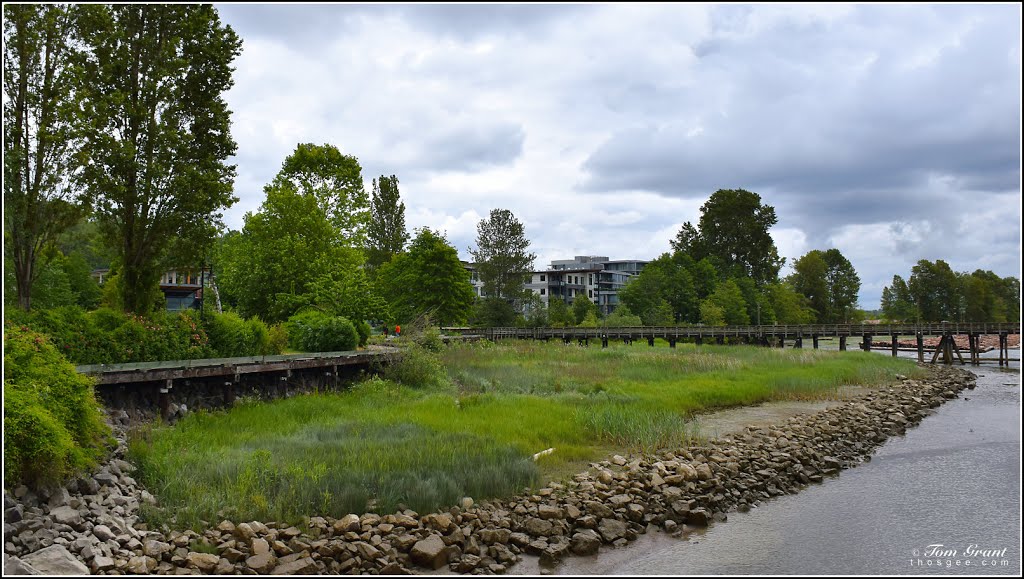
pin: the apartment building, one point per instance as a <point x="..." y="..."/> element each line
<point x="596" y="277"/>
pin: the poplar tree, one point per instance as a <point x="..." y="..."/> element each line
<point x="386" y="233"/>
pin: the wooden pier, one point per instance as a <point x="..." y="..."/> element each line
<point x="776" y="335"/>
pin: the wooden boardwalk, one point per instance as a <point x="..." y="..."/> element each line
<point x="775" y="335"/>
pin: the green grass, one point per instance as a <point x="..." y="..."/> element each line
<point x="471" y="433"/>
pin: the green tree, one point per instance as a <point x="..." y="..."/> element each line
<point x="897" y="301"/>
<point x="290" y="243"/>
<point x="501" y="255"/>
<point x="671" y="278"/>
<point x="581" y="307"/>
<point x="493" y="312"/>
<point x="788" y="305"/>
<point x="40" y="136"/>
<point x="729" y="298"/>
<point x="711" y="314"/>
<point x="622" y="318"/>
<point x="336" y="182"/>
<point x="936" y="291"/>
<point x="733" y="234"/>
<point x="428" y="279"/>
<point x="559" y="315"/>
<point x="157" y="133"/>
<point x="831" y="283"/>
<point x="386" y="233"/>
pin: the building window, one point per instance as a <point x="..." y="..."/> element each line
<point x="541" y="290"/>
<point x="590" y="279"/>
<point x="590" y="294"/>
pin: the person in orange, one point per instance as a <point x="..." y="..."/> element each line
<point x="398" y="330"/>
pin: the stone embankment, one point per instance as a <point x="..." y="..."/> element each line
<point x="92" y="524"/>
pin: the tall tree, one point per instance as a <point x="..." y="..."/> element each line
<point x="336" y="181"/>
<point x="733" y="233"/>
<point x="427" y="279"/>
<point x="831" y="283"/>
<point x="290" y="243"/>
<point x="501" y="255"/>
<point x="386" y="233"/>
<point x="40" y="140"/>
<point x="897" y="301"/>
<point x="157" y="133"/>
<point x="936" y="291"/>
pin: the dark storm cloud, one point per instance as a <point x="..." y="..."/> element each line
<point x="839" y="124"/>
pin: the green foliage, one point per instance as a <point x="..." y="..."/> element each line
<point x="270" y="267"/>
<point x="428" y="279"/>
<point x="829" y="281"/>
<point x="897" y="301"/>
<point x="417" y="367"/>
<point x="711" y="314"/>
<point x="501" y="255"/>
<point x="53" y="425"/>
<point x="622" y="318"/>
<point x="729" y="298"/>
<point x="232" y="336"/>
<point x="493" y="312"/>
<point x="386" y="232"/>
<point x="155" y="141"/>
<point x="559" y="315"/>
<point x="675" y="280"/>
<point x="348" y="292"/>
<point x="363" y="330"/>
<point x="41" y="141"/>
<point x="65" y="281"/>
<point x="788" y="306"/>
<point x="934" y="288"/>
<point x="335" y="181"/>
<point x="582" y="308"/>
<point x="277" y="339"/>
<point x="314" y="331"/>
<point x="733" y="234"/>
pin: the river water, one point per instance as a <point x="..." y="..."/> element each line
<point x="943" y="499"/>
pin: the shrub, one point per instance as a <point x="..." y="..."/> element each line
<point x="416" y="367"/>
<point x="53" y="425"/>
<point x="231" y="335"/>
<point x="363" y="329"/>
<point x="277" y="339"/>
<point x="313" y="331"/>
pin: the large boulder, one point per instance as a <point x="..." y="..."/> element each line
<point x="611" y="529"/>
<point x="15" y="566"/>
<point x="430" y="553"/>
<point x="55" y="560"/>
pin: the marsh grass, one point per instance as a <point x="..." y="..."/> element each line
<point x="423" y="445"/>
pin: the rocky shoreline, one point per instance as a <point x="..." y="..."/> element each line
<point x="92" y="524"/>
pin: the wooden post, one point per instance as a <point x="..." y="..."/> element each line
<point x="842" y="343"/>
<point x="920" y="347"/>
<point x="699" y="341"/>
<point x="956" y="349"/>
<point x="799" y="342"/>
<point x="895" y="344"/>
<point x="671" y="342"/>
<point x="972" y="340"/>
<point x="939" y="349"/>
<point x="650" y="341"/>
<point x="866" y="343"/>
<point x="165" y="400"/>
<point x="720" y="340"/>
<point x="815" y="338"/>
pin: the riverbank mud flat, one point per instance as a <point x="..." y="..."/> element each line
<point x="92" y="524"/>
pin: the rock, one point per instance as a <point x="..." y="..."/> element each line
<point x="301" y="566"/>
<point x="261" y="563"/>
<point x="492" y="536"/>
<point x="141" y="565"/>
<point x="585" y="542"/>
<point x="226" y="526"/>
<point x="14" y="514"/>
<point x="155" y="549"/>
<point x="549" y="512"/>
<point x="245" y="531"/>
<point x="598" y="509"/>
<point x="105" y="478"/>
<point x="66" y="516"/>
<point x="367" y="551"/>
<point x="699" y="517"/>
<point x="103" y="533"/>
<point x="467" y="503"/>
<point x="347" y="523"/>
<point x="102" y="563"/>
<point x="260" y="547"/>
<point x="611" y="529"/>
<point x="394" y="569"/>
<point x="687" y="472"/>
<point x="440" y="522"/>
<point x="430" y="553"/>
<point x="537" y="527"/>
<point x="202" y="561"/>
<point x="403" y="542"/>
<point x="55" y="560"/>
<point x="605" y="477"/>
<point x="618" y="460"/>
<point x="15" y="566"/>
<point x="468" y="563"/>
<point x="704" y="472"/>
<point x="59" y="498"/>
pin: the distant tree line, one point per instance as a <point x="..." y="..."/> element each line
<point x="935" y="293"/>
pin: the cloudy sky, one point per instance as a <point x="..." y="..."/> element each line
<point x="891" y="132"/>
